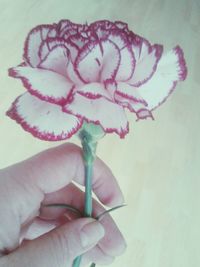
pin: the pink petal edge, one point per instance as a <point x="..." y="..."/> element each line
<point x="158" y="55"/>
<point x="134" y="106"/>
<point x="87" y="50"/>
<point x="121" y="132"/>
<point x="56" y="60"/>
<point x="93" y="91"/>
<point x="27" y="54"/>
<point x="182" y="73"/>
<point x="14" y="115"/>
<point x="129" y="92"/>
<point x="51" y="99"/>
<point x="66" y="28"/>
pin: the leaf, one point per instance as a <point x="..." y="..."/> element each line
<point x="79" y="213"/>
<point x="69" y="207"/>
<point x="98" y="217"/>
<point x="93" y="265"/>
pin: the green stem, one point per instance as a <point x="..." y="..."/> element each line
<point x="77" y="261"/>
<point x="89" y="152"/>
<point x="88" y="190"/>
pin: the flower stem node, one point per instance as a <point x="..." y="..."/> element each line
<point x="89" y="135"/>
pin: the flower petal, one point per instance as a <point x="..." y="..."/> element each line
<point x="65" y="23"/>
<point x="72" y="74"/>
<point x="72" y="52"/>
<point x="87" y="63"/>
<point x="102" y="25"/>
<point x="78" y="40"/>
<point x="98" y="61"/>
<point x="109" y="115"/>
<point x="51" y="43"/>
<point x="118" y="37"/>
<point x="132" y="105"/>
<point x="171" y="69"/>
<point x="43" y="50"/>
<point x="67" y="28"/>
<point x="144" y="113"/>
<point x="110" y="61"/>
<point x="56" y="60"/>
<point x="93" y="90"/>
<point x="141" y="110"/>
<point x="121" y="25"/>
<point x="127" y="65"/>
<point x="111" y="87"/>
<point x="45" y="84"/>
<point x="147" y="58"/>
<point x="130" y="92"/>
<point x="43" y="120"/>
<point x="33" y="42"/>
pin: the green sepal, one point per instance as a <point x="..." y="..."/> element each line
<point x="95" y="132"/>
<point x="90" y="134"/>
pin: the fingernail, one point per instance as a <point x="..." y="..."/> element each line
<point x="91" y="233"/>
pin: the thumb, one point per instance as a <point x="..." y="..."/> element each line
<point x="59" y="247"/>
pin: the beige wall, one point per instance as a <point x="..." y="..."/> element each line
<point x="158" y="164"/>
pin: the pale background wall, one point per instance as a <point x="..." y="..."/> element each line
<point x="158" y="163"/>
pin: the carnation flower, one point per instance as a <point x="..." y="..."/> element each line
<point x="79" y="72"/>
<point x="82" y="78"/>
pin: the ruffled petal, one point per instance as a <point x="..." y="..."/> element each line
<point x="118" y="37"/>
<point x="87" y="63"/>
<point x="43" y="120"/>
<point x="45" y="84"/>
<point x="47" y="45"/>
<point x="140" y="109"/>
<point x="93" y="90"/>
<point x="144" y="113"/>
<point x="51" y="43"/>
<point x="43" y="50"/>
<point x="110" y="61"/>
<point x="67" y="28"/>
<point x="102" y="25"/>
<point x="72" y="52"/>
<point x="127" y="60"/>
<point x="33" y="42"/>
<point x="171" y="69"/>
<point x="56" y="60"/>
<point x="128" y="103"/>
<point x="78" y="40"/>
<point x="130" y="92"/>
<point x="147" y="58"/>
<point x="98" y="61"/>
<point x="72" y="75"/>
<point x="127" y="65"/>
<point x="121" y="25"/>
<point x="111" y="87"/>
<point x="109" y="115"/>
<point x="66" y="24"/>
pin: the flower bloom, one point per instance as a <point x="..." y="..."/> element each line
<point x="75" y="73"/>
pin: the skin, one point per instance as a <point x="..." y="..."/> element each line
<point x="34" y="235"/>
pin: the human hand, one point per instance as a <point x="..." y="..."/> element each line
<point x="37" y="236"/>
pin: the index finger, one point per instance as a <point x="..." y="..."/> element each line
<point x="53" y="169"/>
<point x="57" y="167"/>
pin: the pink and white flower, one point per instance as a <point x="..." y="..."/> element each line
<point x="75" y="73"/>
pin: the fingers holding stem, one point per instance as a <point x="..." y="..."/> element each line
<point x="89" y="153"/>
